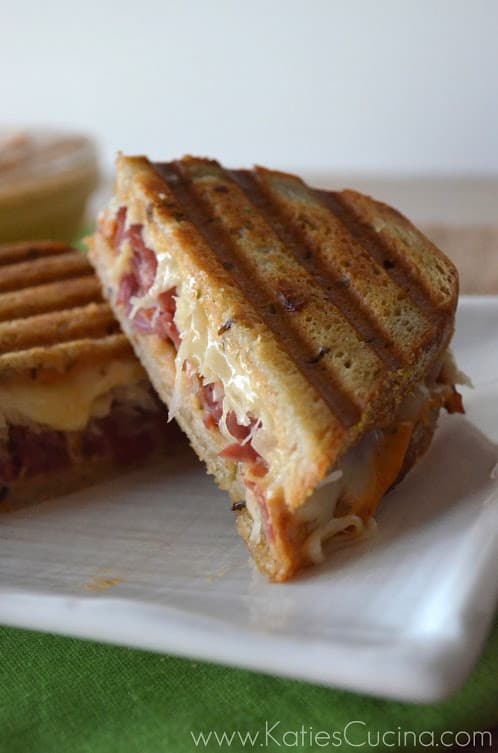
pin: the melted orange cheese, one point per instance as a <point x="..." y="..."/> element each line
<point x="385" y="462"/>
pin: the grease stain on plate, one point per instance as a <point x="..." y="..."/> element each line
<point x="101" y="583"/>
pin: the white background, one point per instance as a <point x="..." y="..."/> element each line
<point x="391" y="86"/>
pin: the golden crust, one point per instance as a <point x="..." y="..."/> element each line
<point x="412" y="249"/>
<point x="52" y="296"/>
<point x="56" y="361"/>
<point x="44" y="331"/>
<point x="44" y="334"/>
<point x="92" y="320"/>
<point x="59" y="267"/>
<point x="11" y="253"/>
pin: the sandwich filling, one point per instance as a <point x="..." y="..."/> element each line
<point x="159" y="300"/>
<point x="46" y="428"/>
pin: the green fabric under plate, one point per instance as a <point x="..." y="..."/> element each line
<point x="61" y="695"/>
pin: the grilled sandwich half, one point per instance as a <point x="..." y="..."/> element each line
<point x="74" y="400"/>
<point x="299" y="337"/>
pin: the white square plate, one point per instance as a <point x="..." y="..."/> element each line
<point x="153" y="560"/>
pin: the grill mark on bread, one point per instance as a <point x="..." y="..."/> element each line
<point x="348" y="362"/>
<point x="334" y="284"/>
<point x="18" y="252"/>
<point x="369" y="285"/>
<point x="51" y="330"/>
<point x="275" y="314"/>
<point x="27" y="273"/>
<point x="434" y="272"/>
<point x="379" y="251"/>
<point x="94" y="320"/>
<point x="60" y="358"/>
<point x="52" y="296"/>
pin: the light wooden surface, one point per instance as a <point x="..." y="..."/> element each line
<point x="474" y="249"/>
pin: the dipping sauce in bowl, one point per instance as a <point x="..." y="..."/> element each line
<point x="46" y="178"/>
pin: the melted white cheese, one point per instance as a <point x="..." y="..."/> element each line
<point x="203" y="350"/>
<point x="67" y="404"/>
<point x="351" y="476"/>
<point x="453" y="374"/>
<point x="313" y="546"/>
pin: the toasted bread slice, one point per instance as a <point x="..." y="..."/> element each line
<point x="74" y="401"/>
<point x="284" y="327"/>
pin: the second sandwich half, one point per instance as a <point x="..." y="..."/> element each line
<point x="75" y="404"/>
<point x="299" y="337"/>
